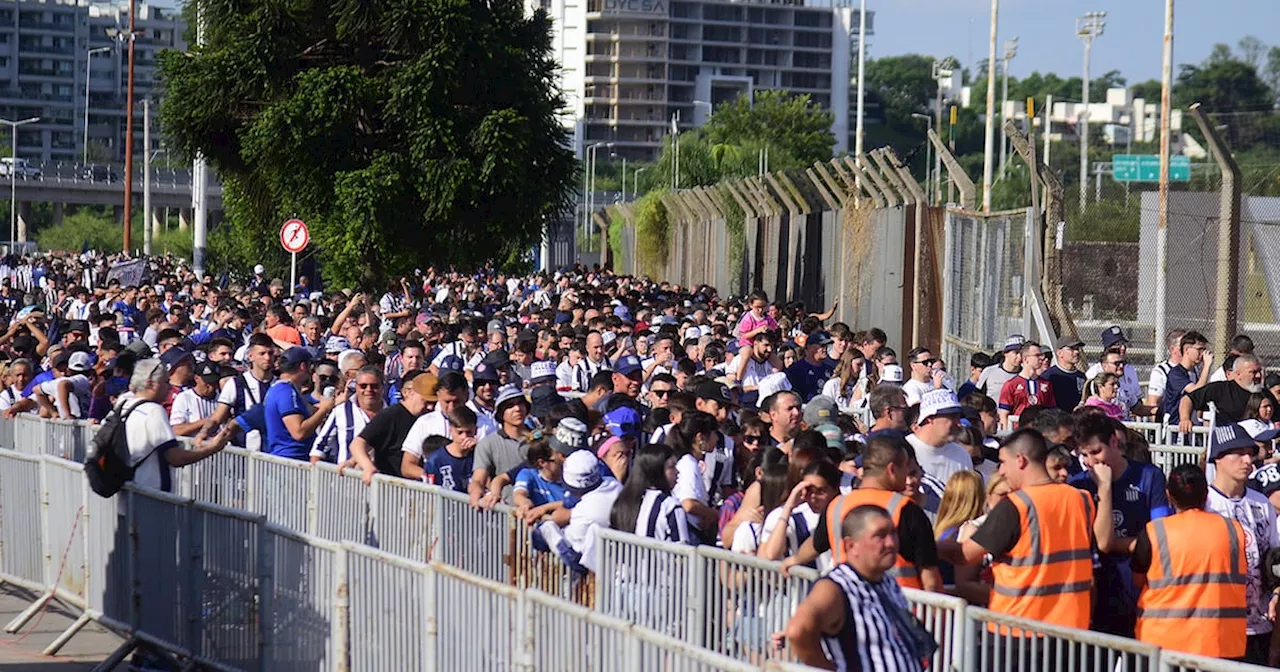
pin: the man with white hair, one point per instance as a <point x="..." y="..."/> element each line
<point x="154" y="451"/>
<point x="1231" y="396"/>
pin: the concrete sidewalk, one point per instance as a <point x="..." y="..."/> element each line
<point x="90" y="646"/>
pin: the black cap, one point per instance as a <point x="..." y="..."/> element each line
<point x="717" y="392"/>
<point x="497" y="359"/>
<point x="209" y="371"/>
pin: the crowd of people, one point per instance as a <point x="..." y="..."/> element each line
<point x="589" y="400"/>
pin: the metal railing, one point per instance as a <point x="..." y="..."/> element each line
<point x="706" y="599"/>
<point x="229" y="590"/>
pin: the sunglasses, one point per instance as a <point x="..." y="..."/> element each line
<point x="369" y="386"/>
<point x="928" y="362"/>
<point x="751" y="438"/>
<point x="661" y="393"/>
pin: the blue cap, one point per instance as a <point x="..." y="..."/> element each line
<point x="483" y="373"/>
<point x="628" y="365"/>
<point x="1229" y="439"/>
<point x="173" y="357"/>
<point x="623" y="421"/>
<point x="296" y="356"/>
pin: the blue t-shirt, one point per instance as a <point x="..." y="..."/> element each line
<point x="447" y="471"/>
<point x="41" y="378"/>
<point x="1068" y="388"/>
<point x="539" y="489"/>
<point x="1137" y="498"/>
<point x="1179" y="379"/>
<point x="807" y="379"/>
<point x="283" y="400"/>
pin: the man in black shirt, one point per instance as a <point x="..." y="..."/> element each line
<point x="385" y="433"/>
<point x="1231" y="396"/>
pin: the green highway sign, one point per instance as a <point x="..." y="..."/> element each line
<point x="1146" y="168"/>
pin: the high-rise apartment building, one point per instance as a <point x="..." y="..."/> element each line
<point x="629" y="67"/>
<point x="44" y="63"/>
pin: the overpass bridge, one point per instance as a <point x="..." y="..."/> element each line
<point x="63" y="184"/>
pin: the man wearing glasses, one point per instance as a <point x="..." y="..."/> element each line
<point x="923" y="376"/>
<point x="1114" y="341"/>
<point x="1129" y="398"/>
<point x="344" y="424"/>
<point x="1027" y="388"/>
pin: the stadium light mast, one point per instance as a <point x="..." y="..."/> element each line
<point x="1088" y="28"/>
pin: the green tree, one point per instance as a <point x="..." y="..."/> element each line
<point x="1251" y="50"/>
<point x="1222" y="86"/>
<point x="1271" y="74"/>
<point x="902" y="85"/>
<point x="404" y="134"/>
<point x="790" y="124"/>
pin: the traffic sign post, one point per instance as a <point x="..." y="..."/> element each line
<point x="294" y="237"/>
<point x="1146" y="168"/>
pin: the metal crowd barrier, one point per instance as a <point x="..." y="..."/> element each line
<point x="995" y="643"/>
<point x="229" y="590"/>
<point x="712" y="600"/>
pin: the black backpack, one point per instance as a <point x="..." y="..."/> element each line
<point x="108" y="466"/>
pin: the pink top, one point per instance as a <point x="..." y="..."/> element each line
<point x="1113" y="411"/>
<point x="750" y="323"/>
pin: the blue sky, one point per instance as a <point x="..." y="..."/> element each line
<point x="1046" y="31"/>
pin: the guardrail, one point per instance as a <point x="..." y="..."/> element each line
<point x="706" y="599"/>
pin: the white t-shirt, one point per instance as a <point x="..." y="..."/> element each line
<point x="754" y="371"/>
<point x="191" y="407"/>
<point x="942" y="461"/>
<point x="690" y="483"/>
<point x="810" y="518"/>
<point x="254" y="391"/>
<point x="567" y="378"/>
<point x="592" y="509"/>
<point x="77" y="398"/>
<point x="843" y="398"/>
<point x="435" y="424"/>
<point x="1258" y="518"/>
<point x="915" y="389"/>
<point x="146" y="429"/>
<point x="1219" y="375"/>
<point x="746" y="539"/>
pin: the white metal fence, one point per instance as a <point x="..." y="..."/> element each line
<point x="273" y="571"/>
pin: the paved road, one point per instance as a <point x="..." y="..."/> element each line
<point x="90" y="646"/>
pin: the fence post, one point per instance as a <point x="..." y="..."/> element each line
<point x="695" y="627"/>
<point x="313" y="501"/>
<point x="266" y="593"/>
<point x="250" y="473"/>
<point x="194" y="544"/>
<point x="1227" y="299"/>
<point x="340" y="628"/>
<point x="970" y="647"/>
<point x="371" y="514"/>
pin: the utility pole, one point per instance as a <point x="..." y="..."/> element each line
<point x="989" y="148"/>
<point x="146" y="177"/>
<point x="1010" y="50"/>
<point x="128" y="131"/>
<point x="199" y="182"/>
<point x="862" y="73"/>
<point x="1162" y="260"/>
<point x="1088" y="28"/>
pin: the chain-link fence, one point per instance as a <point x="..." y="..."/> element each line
<point x="985" y="281"/>
<point x="1110" y="254"/>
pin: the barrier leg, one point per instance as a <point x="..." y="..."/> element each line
<point x="21" y="619"/>
<point x="117" y="657"/>
<point x="66" y="635"/>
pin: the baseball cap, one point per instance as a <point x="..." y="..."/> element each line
<point x="717" y="392"/>
<point x="1014" y="342"/>
<point x="209" y="371"/>
<point x="892" y="374"/>
<point x="1259" y="430"/>
<point x="497" y="359"/>
<point x="336" y="344"/>
<point x="608" y="337"/>
<point x="422" y="382"/>
<point x="1227" y="439"/>
<point x="388" y="336"/>
<point x="833" y="435"/>
<point x="295" y="356"/>
<point x="628" y="365"/>
<point x="819" y="411"/>
<point x="175" y="356"/>
<point x="80" y="361"/>
<point x="817" y="338"/>
<point x="483" y="373"/>
<point x="581" y="471"/>
<point x="692" y="334"/>
<point x="258" y="269"/>
<point x="451" y="363"/>
<point x="1113" y="336"/>
<point x="939" y="402"/>
<point x="772" y="384"/>
<point x="623" y="422"/>
<point x="1067" y="341"/>
<point x="495" y="327"/>
<point x="542" y="370"/>
<point x="570" y="436"/>
<point x="139" y="348"/>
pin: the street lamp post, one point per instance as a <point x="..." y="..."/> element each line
<point x="13" y="176"/>
<point x="942" y="70"/>
<point x="88" y="77"/>
<point x="928" y="149"/>
<point x="1010" y="50"/>
<point x="1088" y="28"/>
<point x="589" y="183"/>
<point x="128" y="131"/>
<point x="989" y="143"/>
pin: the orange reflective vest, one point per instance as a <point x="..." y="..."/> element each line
<point x="906" y="574"/>
<point x="1048" y="574"/>
<point x="1194" y="600"/>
